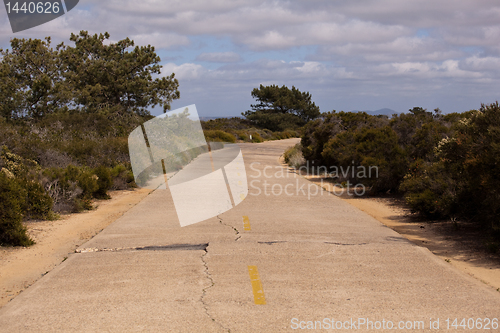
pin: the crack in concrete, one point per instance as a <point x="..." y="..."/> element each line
<point x="173" y="247"/>
<point x="345" y="244"/>
<point x="272" y="242"/>
<point x="236" y="231"/>
<point x="204" y="290"/>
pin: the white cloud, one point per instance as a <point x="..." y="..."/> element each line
<point x="160" y="41"/>
<point x="402" y="48"/>
<point x="356" y="51"/>
<point x="486" y="64"/>
<point x="187" y="71"/>
<point x="219" y="57"/>
<point x="279" y="70"/>
<point x="429" y="70"/>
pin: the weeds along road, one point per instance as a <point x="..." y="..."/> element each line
<point x="275" y="263"/>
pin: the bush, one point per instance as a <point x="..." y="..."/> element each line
<point x="430" y="190"/>
<point x="73" y="188"/>
<point x="462" y="178"/>
<point x="104" y="182"/>
<point x="219" y="136"/>
<point x="367" y="149"/>
<point x="38" y="204"/>
<point x="256" y="138"/>
<point x="317" y="133"/>
<point x="242" y="135"/>
<point x="241" y="129"/>
<point x="123" y="177"/>
<point x="472" y="157"/>
<point x="12" y="232"/>
<point x="293" y="156"/>
<point x="87" y="181"/>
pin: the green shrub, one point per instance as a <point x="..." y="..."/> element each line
<point x="219" y="136"/>
<point x="38" y="204"/>
<point x="242" y="135"/>
<point x="104" y="182"/>
<point x="426" y="139"/>
<point x="256" y="138"/>
<point x="472" y="157"/>
<point x="241" y="129"/>
<point x="317" y="133"/>
<point x="365" y="150"/>
<point x="430" y="190"/>
<point x="123" y="177"/>
<point x="12" y="195"/>
<point x="79" y="205"/>
<point x="73" y="188"/>
<point x="461" y="177"/>
<point x="87" y="181"/>
<point x="226" y="124"/>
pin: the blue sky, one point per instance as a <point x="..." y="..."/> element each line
<point x="350" y="55"/>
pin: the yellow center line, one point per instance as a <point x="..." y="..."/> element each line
<point x="246" y="223"/>
<point x="258" y="291"/>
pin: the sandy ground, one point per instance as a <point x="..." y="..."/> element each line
<point x="21" y="267"/>
<point x="450" y="242"/>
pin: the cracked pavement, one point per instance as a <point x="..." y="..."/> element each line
<point x="317" y="258"/>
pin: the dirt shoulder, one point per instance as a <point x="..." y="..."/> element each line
<point x="55" y="240"/>
<point x="454" y="243"/>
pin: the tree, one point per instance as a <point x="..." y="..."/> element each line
<point x="318" y="132"/>
<point x="463" y="180"/>
<point x="367" y="148"/>
<point x="30" y="80"/>
<point x="109" y="77"/>
<point x="407" y="124"/>
<point x="472" y="156"/>
<point x="91" y="76"/>
<point x="281" y="108"/>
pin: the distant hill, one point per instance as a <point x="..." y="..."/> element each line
<point x="384" y="111"/>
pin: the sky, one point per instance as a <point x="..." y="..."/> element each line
<point x="350" y="55"/>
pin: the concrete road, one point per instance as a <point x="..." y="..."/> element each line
<point x="278" y="262"/>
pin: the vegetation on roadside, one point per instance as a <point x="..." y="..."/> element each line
<point x="242" y="130"/>
<point x="65" y="115"/>
<point x="446" y="166"/>
<point x="293" y="156"/>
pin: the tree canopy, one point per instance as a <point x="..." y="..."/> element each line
<point x="91" y="76"/>
<point x="281" y="108"/>
<point x="31" y="83"/>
